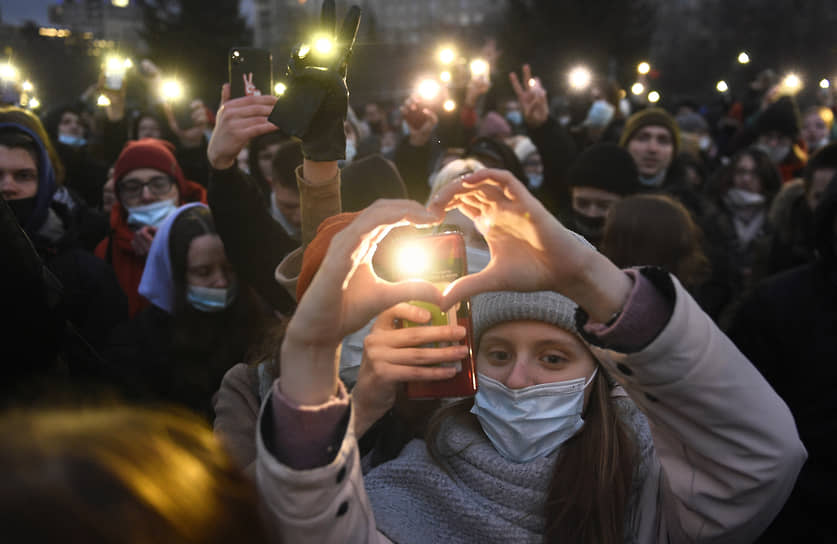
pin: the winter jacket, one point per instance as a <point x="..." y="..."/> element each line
<point x="254" y="242"/>
<point x="788" y="328"/>
<point x="725" y="454"/>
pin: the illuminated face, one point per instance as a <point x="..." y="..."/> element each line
<point x="18" y="174"/>
<point x="524" y="353"/>
<point x="146" y="186"/>
<point x="207" y="264"/>
<point x="814" y="130"/>
<point x="652" y="149"/>
<point x="70" y="125"/>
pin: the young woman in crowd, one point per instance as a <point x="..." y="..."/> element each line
<point x="550" y="449"/>
<point x="201" y="320"/>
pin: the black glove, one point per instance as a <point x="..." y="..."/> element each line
<point x="314" y="105"/>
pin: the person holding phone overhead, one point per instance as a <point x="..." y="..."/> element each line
<point x="602" y="413"/>
<point x="255" y="243"/>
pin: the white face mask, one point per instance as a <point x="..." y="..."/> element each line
<point x="743" y="197"/>
<point x="705" y="143"/>
<point x="477" y="259"/>
<point x="524" y="424"/>
<point x="351" y="150"/>
<point x="211" y="299"/>
<point x="150" y="214"/>
<point x="777" y="154"/>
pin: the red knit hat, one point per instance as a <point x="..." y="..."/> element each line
<point x="148" y="153"/>
<point x="315" y="252"/>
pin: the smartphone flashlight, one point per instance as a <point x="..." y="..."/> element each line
<point x="479" y="69"/>
<point x="449" y="106"/>
<point x="171" y="90"/>
<point x="103" y="101"/>
<point x="428" y="90"/>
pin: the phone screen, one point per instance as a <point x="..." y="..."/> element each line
<point x="250" y="72"/>
<point x="440" y="258"/>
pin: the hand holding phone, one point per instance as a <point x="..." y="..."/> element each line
<point x="436" y="255"/>
<point x="315" y="102"/>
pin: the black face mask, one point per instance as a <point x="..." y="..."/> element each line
<point x="589" y="227"/>
<point x="22" y="208"/>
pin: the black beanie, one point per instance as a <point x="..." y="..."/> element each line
<point x="825" y="157"/>
<point x="605" y="166"/>
<point x="781" y="116"/>
<point x="364" y="181"/>
<point x="487" y="150"/>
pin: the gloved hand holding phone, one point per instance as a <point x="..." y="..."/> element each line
<point x="315" y="102"/>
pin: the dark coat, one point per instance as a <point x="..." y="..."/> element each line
<point x="788" y="328"/>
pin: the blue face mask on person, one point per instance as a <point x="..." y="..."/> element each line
<point x="211" y="299"/>
<point x="535" y="180"/>
<point x="514" y="117"/>
<point x="524" y="424"/>
<point x="72" y="141"/>
<point x="150" y="214"/>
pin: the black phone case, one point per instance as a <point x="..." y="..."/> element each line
<point x="253" y="65"/>
<point x="295" y="109"/>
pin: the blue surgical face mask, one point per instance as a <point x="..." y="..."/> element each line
<point x="211" y="299"/>
<point x="72" y="141"/>
<point x="150" y="214"/>
<point x="514" y="117"/>
<point x="535" y="180"/>
<point x="600" y="114"/>
<point x="524" y="424"/>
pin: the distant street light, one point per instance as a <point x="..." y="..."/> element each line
<point x="580" y="78"/>
<point x="653" y="97"/>
<point x="643" y="68"/>
<point x="743" y="57"/>
<point x="824" y="84"/>
<point x="722" y="86"/>
<point x="637" y="88"/>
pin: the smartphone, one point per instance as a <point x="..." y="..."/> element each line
<point x="114" y="74"/>
<point x="250" y="71"/>
<point x="438" y="255"/>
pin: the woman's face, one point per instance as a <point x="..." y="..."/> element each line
<point x="207" y="264"/>
<point x="265" y="159"/>
<point x="746" y="176"/>
<point x="524" y="353"/>
<point x="814" y="129"/>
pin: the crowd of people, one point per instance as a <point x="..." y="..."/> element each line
<point x="201" y="347"/>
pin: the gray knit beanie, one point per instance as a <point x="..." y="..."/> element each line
<point x="489" y="309"/>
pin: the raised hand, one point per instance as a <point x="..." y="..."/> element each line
<point x="315" y="104"/>
<point x="391" y="358"/>
<point x="530" y="249"/>
<point x="344" y="295"/>
<point x="532" y="97"/>
<point x="237" y="122"/>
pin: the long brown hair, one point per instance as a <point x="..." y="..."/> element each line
<point x="591" y="482"/>
<point x="656" y="230"/>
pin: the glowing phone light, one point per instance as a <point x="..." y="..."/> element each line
<point x="412" y="260"/>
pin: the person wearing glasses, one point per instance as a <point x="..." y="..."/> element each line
<point x="149" y="186"/>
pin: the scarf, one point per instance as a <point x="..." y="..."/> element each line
<point x="748" y="214"/>
<point x="477" y="495"/>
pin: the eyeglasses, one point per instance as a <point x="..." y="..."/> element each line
<point x="132" y="188"/>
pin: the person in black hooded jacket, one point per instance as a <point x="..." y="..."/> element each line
<point x="92" y="299"/>
<point x="787" y="326"/>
